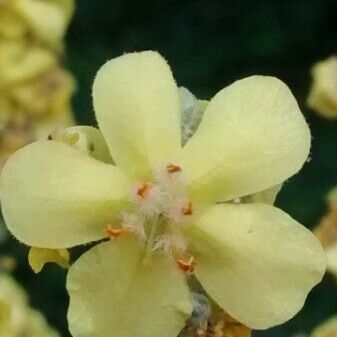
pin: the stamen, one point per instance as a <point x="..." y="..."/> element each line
<point x="159" y="211"/>
<point x="187" y="266"/>
<point x="143" y="190"/>
<point x="172" y="168"/>
<point x="113" y="233"/>
<point x="187" y="209"/>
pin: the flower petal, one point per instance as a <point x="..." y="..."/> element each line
<point x="38" y="257"/>
<point x="11" y="25"/>
<point x="326" y="329"/>
<point x="112" y="292"/>
<point x="331" y="253"/>
<point x="48" y="20"/>
<point x="91" y="142"/>
<point x="56" y="197"/>
<point x="138" y="111"/>
<point x="252" y="137"/>
<point x="256" y="262"/>
<point x="20" y="62"/>
<point x="267" y="196"/>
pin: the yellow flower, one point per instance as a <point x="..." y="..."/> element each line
<point x="167" y="208"/>
<point x="323" y="94"/>
<point x="326" y="232"/>
<point x="16" y="317"/>
<point x="35" y="91"/>
<point x="47" y="21"/>
<point x="327" y="329"/>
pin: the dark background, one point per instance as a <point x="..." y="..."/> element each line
<point x="209" y="44"/>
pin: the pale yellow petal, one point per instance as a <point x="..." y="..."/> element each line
<point x="113" y="293"/>
<point x="323" y="92"/>
<point x="13" y="307"/>
<point x="327" y="329"/>
<point x="138" y="111"/>
<point x="332" y="196"/>
<point x="48" y="94"/>
<point x="265" y="197"/>
<point x="38" y="257"/>
<point x="256" y="262"/>
<point x="56" y="197"/>
<point x="11" y="25"/>
<point x="331" y="253"/>
<point x="20" y="62"/>
<point x="16" y="317"/>
<point x="47" y="19"/>
<point x="67" y="7"/>
<point x="91" y="142"/>
<point x="252" y="137"/>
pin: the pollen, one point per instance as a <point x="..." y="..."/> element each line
<point x="172" y="168"/>
<point x="143" y="190"/>
<point x="187" y="209"/>
<point x="187" y="266"/>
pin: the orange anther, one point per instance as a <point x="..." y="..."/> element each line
<point x="115" y="232"/>
<point x="171" y="168"/>
<point x="187" y="209"/>
<point x="187" y="266"/>
<point x="143" y="189"/>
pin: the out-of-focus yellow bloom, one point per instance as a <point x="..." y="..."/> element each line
<point x="323" y="93"/>
<point x="168" y="208"/>
<point x="7" y="263"/>
<point x="326" y="232"/>
<point x="17" y="319"/>
<point x="327" y="329"/>
<point x="35" y="91"/>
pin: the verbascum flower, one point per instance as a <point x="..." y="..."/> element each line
<point x="327" y="329"/>
<point x="168" y="209"/>
<point x="35" y="90"/>
<point x="17" y="319"/>
<point x="326" y="231"/>
<point x="323" y="93"/>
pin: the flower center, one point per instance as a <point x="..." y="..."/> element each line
<point x="160" y="210"/>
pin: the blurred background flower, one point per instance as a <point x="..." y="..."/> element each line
<point x="326" y="329"/>
<point x="323" y="93"/>
<point x="35" y="94"/>
<point x="35" y="90"/>
<point x="17" y="319"/>
<point x="326" y="232"/>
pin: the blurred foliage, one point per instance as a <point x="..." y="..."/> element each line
<point x="209" y="44"/>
